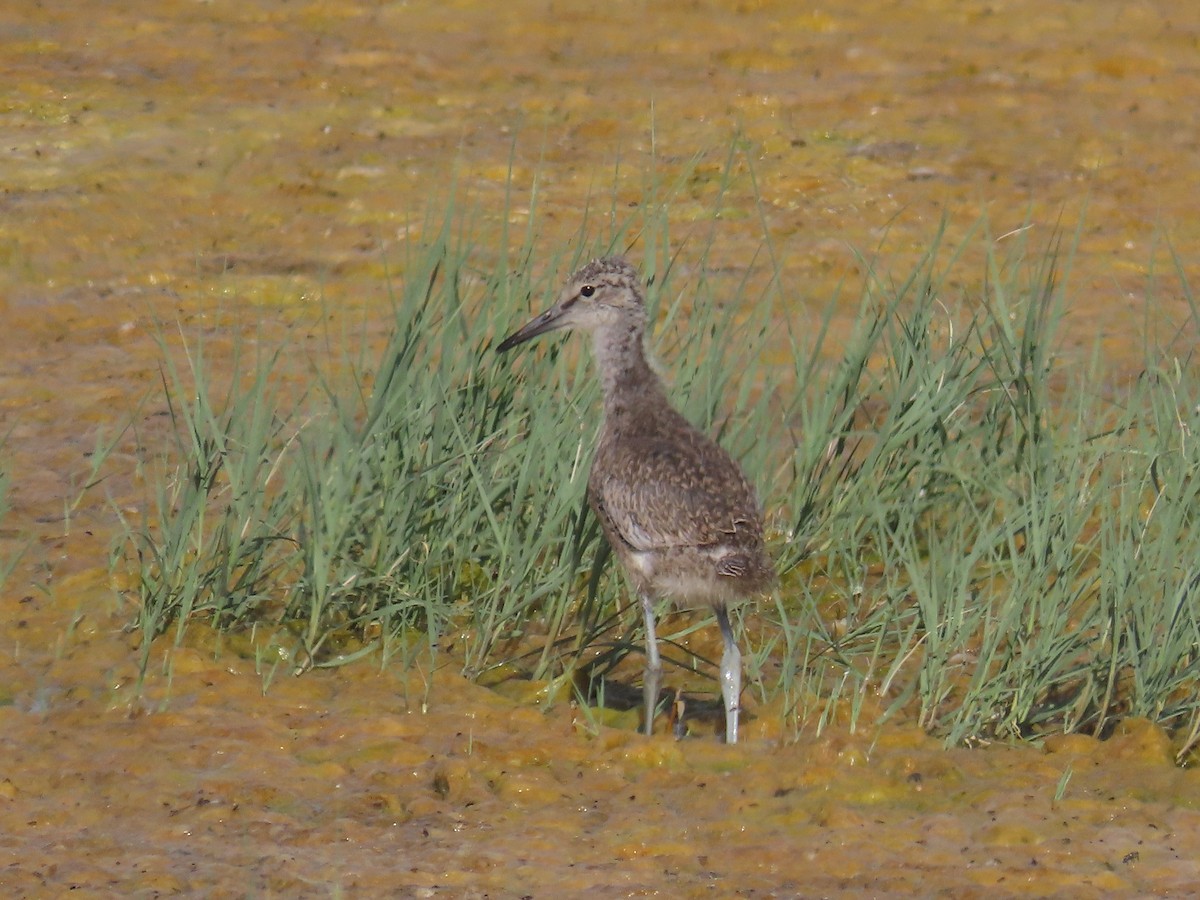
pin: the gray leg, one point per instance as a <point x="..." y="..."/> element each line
<point x="653" y="676"/>
<point x="731" y="676"/>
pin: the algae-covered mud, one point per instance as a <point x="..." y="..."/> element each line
<point x="212" y="170"/>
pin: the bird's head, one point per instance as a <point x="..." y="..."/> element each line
<point x="603" y="294"/>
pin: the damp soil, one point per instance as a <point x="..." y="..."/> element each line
<point x="252" y="171"/>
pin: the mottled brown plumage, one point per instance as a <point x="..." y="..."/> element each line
<point x="676" y="509"/>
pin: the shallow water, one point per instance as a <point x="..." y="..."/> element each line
<point x="227" y="168"/>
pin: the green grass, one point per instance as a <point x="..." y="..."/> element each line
<point x="971" y="538"/>
<point x="1027" y="551"/>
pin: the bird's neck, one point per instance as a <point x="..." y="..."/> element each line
<point x="625" y="373"/>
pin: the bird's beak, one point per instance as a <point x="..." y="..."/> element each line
<point x="547" y="321"/>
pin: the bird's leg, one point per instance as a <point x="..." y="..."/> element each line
<point x="653" y="675"/>
<point x="731" y="675"/>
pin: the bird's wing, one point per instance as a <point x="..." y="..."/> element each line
<point x="673" y="493"/>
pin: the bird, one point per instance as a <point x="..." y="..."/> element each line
<point x="678" y="512"/>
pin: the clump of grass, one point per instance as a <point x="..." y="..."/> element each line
<point x="971" y="539"/>
<point x="1002" y="556"/>
<point x="349" y="519"/>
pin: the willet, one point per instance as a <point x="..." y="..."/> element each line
<point x="676" y="509"/>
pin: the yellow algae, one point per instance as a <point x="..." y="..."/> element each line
<point x="328" y="771"/>
<point x="392" y="752"/>
<point x="268" y="290"/>
<point x="187" y="661"/>
<point x="528" y="788"/>
<point x="653" y="753"/>
<point x="1010" y="834"/>
<point x="1140" y="740"/>
<point x="528" y="691"/>
<point x="1073" y="744"/>
<point x="650" y="845"/>
<point x="603" y="718"/>
<point x="232" y="170"/>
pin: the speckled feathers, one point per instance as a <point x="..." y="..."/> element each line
<point x="676" y="508"/>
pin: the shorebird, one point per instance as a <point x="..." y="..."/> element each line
<point x="679" y="513"/>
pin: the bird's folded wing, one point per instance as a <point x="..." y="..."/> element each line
<point x="663" y="497"/>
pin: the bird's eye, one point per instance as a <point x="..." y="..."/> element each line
<point x="587" y="290"/>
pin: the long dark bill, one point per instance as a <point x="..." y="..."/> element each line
<point x="547" y="321"/>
